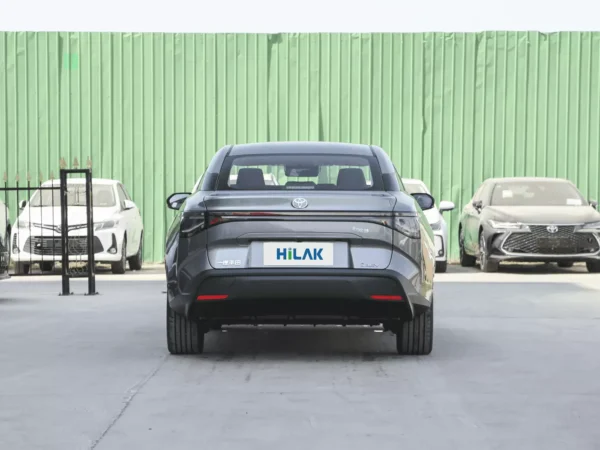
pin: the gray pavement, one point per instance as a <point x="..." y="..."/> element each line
<point x="515" y="366"/>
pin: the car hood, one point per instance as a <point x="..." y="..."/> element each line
<point x="560" y="215"/>
<point x="49" y="215"/>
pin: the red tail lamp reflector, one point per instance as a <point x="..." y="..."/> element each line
<point x="212" y="297"/>
<point x="386" y="297"/>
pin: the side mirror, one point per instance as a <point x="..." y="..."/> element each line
<point x="128" y="204"/>
<point x="425" y="201"/>
<point x="446" y="206"/>
<point x="22" y="204"/>
<point x="594" y="204"/>
<point x="174" y="201"/>
<point x="478" y="205"/>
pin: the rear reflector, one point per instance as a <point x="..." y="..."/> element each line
<point x="386" y="297"/>
<point x="212" y="297"/>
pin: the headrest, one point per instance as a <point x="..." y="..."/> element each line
<point x="351" y="179"/>
<point x="250" y="178"/>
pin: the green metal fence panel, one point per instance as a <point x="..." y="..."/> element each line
<point x="151" y="109"/>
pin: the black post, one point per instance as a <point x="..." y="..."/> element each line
<point x="64" y="234"/>
<point x="91" y="263"/>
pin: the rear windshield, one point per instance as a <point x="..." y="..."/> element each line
<point x="300" y="172"/>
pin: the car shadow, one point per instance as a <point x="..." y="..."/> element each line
<point x="321" y="343"/>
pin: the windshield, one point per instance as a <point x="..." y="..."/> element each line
<point x="300" y="172"/>
<point x="535" y="193"/>
<point x="415" y="188"/>
<point x="103" y="196"/>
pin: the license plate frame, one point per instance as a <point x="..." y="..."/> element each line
<point x="550" y="244"/>
<point x="298" y="254"/>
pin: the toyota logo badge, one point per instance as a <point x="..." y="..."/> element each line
<point x="552" y="229"/>
<point x="299" y="203"/>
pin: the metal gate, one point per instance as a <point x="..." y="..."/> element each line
<point x="36" y="236"/>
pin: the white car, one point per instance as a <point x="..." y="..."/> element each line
<point x="4" y="240"/>
<point x="118" y="229"/>
<point x="436" y="221"/>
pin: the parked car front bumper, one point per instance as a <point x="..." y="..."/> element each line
<point x="35" y="245"/>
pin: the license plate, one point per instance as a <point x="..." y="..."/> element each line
<point x="553" y="243"/>
<point x="299" y="254"/>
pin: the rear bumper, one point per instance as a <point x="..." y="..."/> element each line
<point x="298" y="296"/>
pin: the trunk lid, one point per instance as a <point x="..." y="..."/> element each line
<point x="344" y="227"/>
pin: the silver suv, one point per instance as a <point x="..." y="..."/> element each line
<point x="336" y="240"/>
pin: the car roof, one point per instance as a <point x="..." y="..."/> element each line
<point x="307" y="147"/>
<point x="509" y="179"/>
<point x="105" y="181"/>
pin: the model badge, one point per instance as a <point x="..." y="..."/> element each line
<point x="230" y="262"/>
<point x="552" y="229"/>
<point x="299" y="203"/>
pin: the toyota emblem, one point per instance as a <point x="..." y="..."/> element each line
<point x="552" y="229"/>
<point x="299" y="203"/>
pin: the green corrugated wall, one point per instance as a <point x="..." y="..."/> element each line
<point x="151" y="109"/>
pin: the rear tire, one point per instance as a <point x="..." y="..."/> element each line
<point x="441" y="266"/>
<point x="565" y="264"/>
<point x="184" y="336"/>
<point x="593" y="267"/>
<point x="119" y="267"/>
<point x="465" y="259"/>
<point x="135" y="262"/>
<point x="21" y="269"/>
<point x="415" y="337"/>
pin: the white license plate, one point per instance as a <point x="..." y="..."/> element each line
<point x="303" y="254"/>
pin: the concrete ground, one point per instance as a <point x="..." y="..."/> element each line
<point x="515" y="366"/>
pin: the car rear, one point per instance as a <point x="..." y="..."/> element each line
<point x="325" y="245"/>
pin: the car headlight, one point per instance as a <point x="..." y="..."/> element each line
<point x="592" y="226"/>
<point x="106" y="225"/>
<point x="508" y="225"/>
<point x="435" y="226"/>
<point x="408" y="225"/>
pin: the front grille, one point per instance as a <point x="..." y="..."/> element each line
<point x="540" y="241"/>
<point x="52" y="246"/>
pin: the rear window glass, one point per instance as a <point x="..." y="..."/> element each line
<point x="300" y="172"/>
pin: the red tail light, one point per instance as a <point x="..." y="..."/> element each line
<point x="386" y="297"/>
<point x="212" y="297"/>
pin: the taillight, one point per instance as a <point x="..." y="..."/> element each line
<point x="407" y="224"/>
<point x="192" y="224"/>
<point x="387" y="297"/>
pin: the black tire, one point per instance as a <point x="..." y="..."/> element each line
<point x="565" y="264"/>
<point x="593" y="267"/>
<point x="465" y="259"/>
<point x="485" y="264"/>
<point x="184" y="336"/>
<point x="441" y="266"/>
<point x="415" y="337"/>
<point x="47" y="266"/>
<point x="135" y="262"/>
<point x="21" y="269"/>
<point x="119" y="267"/>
